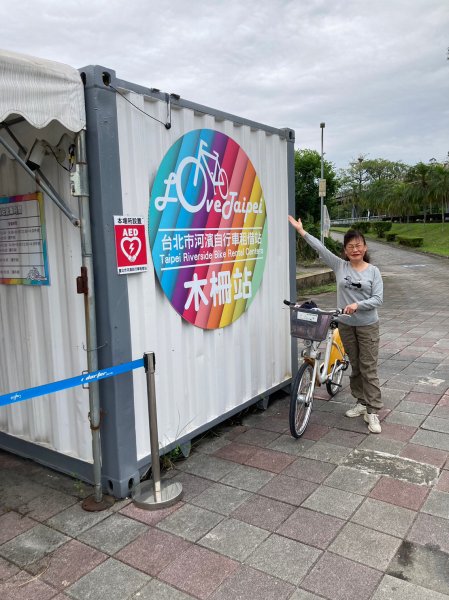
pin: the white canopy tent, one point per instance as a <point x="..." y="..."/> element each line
<point x="41" y="91"/>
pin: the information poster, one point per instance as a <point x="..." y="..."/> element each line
<point x="23" y="246"/>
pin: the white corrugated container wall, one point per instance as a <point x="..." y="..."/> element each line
<point x="42" y="328"/>
<point x="202" y="375"/>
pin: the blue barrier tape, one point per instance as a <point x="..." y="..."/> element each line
<point x="49" y="388"/>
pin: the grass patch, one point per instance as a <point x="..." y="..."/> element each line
<point x="435" y="235"/>
<point x="319" y="289"/>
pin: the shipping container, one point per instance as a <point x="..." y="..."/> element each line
<point x="211" y="192"/>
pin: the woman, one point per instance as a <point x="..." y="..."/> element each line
<point x="359" y="293"/>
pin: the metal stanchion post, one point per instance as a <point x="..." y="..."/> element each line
<point x="154" y="494"/>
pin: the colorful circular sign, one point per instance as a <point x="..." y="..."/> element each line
<point x="208" y="228"/>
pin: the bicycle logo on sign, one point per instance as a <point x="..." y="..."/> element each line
<point x="203" y="177"/>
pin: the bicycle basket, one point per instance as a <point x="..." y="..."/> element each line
<point x="309" y="324"/>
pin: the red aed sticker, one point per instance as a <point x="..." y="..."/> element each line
<point x="130" y="244"/>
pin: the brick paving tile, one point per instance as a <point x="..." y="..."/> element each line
<point x="352" y="480"/>
<point x="111" y="580"/>
<point x="367" y="546"/>
<point x="247" y="478"/>
<point x="24" y="587"/>
<point x="237" y="452"/>
<point x="288" y="489"/>
<point x="402" y="433"/>
<point x="431" y="456"/>
<point x="400" y="493"/>
<point x="290" y="445"/>
<point x="234" y="539"/>
<point x="323" y="417"/>
<point x="112" y="534"/>
<point x="158" y="590"/>
<point x="444" y="400"/>
<point x="300" y="594"/>
<point x="209" y="467"/>
<point x="210" y="444"/>
<point x="385" y="517"/>
<point x="382" y="444"/>
<point x="437" y="504"/>
<point x="221" y="498"/>
<point x="392" y="587"/>
<point x="270" y="460"/>
<point x="417" y="408"/>
<point x="250" y="584"/>
<point x="229" y="432"/>
<point x="332" y="501"/>
<point x="284" y="558"/>
<point x="190" y="522"/>
<point x="262" y="512"/>
<point x="198" y="571"/>
<point x="32" y="545"/>
<point x="428" y="530"/>
<point x="191" y="485"/>
<point x="67" y="564"/>
<point x="315" y="432"/>
<point x="257" y="437"/>
<point x="74" y="520"/>
<point x="338" y="578"/>
<point x="7" y="569"/>
<point x="327" y="452"/>
<point x="349" y="439"/>
<point x="274" y="423"/>
<point x="311" y="527"/>
<point x="441" y="410"/>
<point x="311" y="470"/>
<point x="421" y="397"/>
<point x="152" y="551"/>
<point x="12" y="524"/>
<point x="443" y="482"/>
<point x="149" y="517"/>
<point x="47" y="505"/>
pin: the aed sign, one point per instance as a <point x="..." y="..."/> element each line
<point x="130" y="244"/>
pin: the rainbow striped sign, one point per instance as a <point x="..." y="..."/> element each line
<point x="208" y="228"/>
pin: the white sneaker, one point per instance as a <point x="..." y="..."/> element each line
<point x="356" y="411"/>
<point x="373" y="422"/>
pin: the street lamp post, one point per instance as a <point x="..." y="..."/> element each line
<point x="322" y="188"/>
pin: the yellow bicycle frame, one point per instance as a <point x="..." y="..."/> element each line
<point x="337" y="350"/>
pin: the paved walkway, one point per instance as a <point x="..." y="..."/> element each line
<point x="340" y="514"/>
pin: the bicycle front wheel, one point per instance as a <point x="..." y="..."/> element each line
<point x="301" y="399"/>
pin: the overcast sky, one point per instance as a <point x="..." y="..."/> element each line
<point x="375" y="71"/>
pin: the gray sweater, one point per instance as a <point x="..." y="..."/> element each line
<point x="364" y="287"/>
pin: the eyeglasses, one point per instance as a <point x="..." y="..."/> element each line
<point x="351" y="247"/>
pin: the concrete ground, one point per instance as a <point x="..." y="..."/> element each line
<point x="340" y="514"/>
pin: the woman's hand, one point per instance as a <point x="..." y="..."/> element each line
<point x="350" y="309"/>
<point x="297" y="224"/>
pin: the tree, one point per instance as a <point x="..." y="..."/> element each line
<point x="307" y="175"/>
<point x="369" y="184"/>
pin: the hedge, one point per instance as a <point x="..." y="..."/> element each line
<point x="390" y="237"/>
<point x="411" y="242"/>
<point x="381" y="227"/>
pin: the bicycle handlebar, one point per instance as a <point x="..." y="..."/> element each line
<point x="335" y="311"/>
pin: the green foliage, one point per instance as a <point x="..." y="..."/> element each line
<point x="304" y="253"/>
<point x="390" y="237"/>
<point x="411" y="242"/>
<point x="307" y="174"/>
<point x="362" y="226"/>
<point x="381" y="227"/>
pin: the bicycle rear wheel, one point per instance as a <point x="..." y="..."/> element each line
<point x="301" y="399"/>
<point x="334" y="385"/>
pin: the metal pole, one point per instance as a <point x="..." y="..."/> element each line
<point x="322" y="125"/>
<point x="157" y="494"/>
<point x="82" y="191"/>
<point x="149" y="361"/>
<point x="35" y="175"/>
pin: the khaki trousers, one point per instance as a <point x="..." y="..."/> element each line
<point x="362" y="347"/>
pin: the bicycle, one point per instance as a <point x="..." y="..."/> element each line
<point x="314" y="325"/>
<point x="216" y="175"/>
